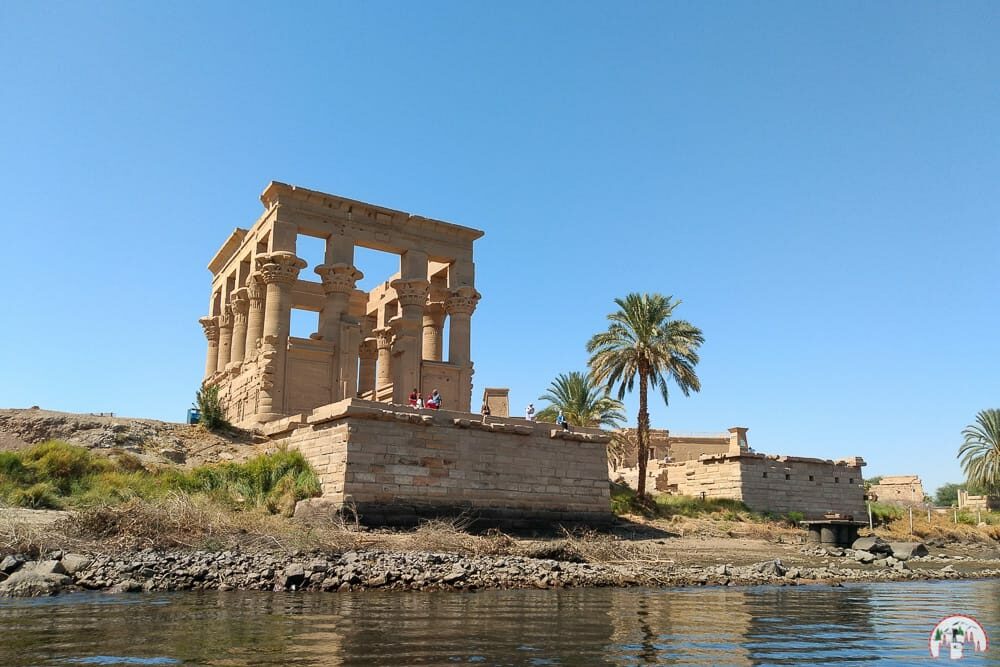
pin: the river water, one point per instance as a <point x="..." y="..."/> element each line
<point x="800" y="625"/>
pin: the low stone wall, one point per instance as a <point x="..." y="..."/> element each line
<point x="774" y="483"/>
<point x="395" y="465"/>
<point x="987" y="503"/>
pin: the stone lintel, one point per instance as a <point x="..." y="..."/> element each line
<point x="228" y="249"/>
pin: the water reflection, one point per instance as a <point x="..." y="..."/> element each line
<point x="885" y="623"/>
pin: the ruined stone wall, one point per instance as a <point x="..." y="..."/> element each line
<point x="899" y="489"/>
<point x="986" y="503"/>
<point x="689" y="451"/>
<point x="395" y="465"/>
<point x="768" y="483"/>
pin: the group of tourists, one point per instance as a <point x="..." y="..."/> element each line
<point x="433" y="401"/>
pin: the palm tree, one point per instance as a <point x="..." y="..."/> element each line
<point x="980" y="452"/>
<point x="643" y="341"/>
<point x="582" y="400"/>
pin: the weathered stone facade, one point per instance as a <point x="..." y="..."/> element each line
<point x="378" y="345"/>
<point x="983" y="503"/>
<point x="899" y="489"/>
<point x="393" y="464"/>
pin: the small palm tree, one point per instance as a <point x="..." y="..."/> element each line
<point x="980" y="453"/>
<point x="582" y="400"/>
<point x="643" y="342"/>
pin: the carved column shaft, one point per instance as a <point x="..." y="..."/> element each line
<point x="255" y="316"/>
<point x="460" y="306"/>
<point x="433" y="344"/>
<point x="279" y="271"/>
<point x="383" y="366"/>
<point x="367" y="354"/>
<point x="211" y="329"/>
<point x="240" y="305"/>
<point x="225" y="337"/>
<point x="406" y="350"/>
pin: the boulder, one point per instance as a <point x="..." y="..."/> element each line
<point x="908" y="550"/>
<point x="48" y="567"/>
<point x="10" y="564"/>
<point x="875" y="545"/>
<point x="864" y="556"/>
<point x="73" y="563"/>
<point x="293" y="575"/>
<point x="30" y="583"/>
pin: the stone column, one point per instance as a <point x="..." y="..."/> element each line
<point x="255" y="316"/>
<point x="278" y="271"/>
<point x="406" y="350"/>
<point x="383" y="368"/>
<point x="433" y="347"/>
<point x="225" y="336"/>
<point x="336" y="326"/>
<point x="211" y="328"/>
<point x="241" y="306"/>
<point x="367" y="353"/>
<point x="460" y="305"/>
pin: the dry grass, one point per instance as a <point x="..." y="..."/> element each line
<point x="18" y="536"/>
<point x="940" y="526"/>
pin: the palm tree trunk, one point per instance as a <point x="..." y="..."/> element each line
<point x="643" y="428"/>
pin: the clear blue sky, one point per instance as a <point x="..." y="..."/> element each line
<point x="818" y="182"/>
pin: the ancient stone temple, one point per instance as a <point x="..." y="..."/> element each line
<point x="376" y="345"/>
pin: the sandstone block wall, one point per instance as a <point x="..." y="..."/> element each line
<point x="777" y="484"/>
<point x="395" y="464"/>
<point x="899" y="489"/>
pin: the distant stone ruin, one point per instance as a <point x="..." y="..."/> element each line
<point x="899" y="490"/>
<point x="724" y="466"/>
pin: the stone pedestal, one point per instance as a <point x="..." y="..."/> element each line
<point x="278" y="271"/>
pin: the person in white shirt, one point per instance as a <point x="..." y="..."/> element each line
<point x="529" y="412"/>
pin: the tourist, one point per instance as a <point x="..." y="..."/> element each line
<point x="485" y="410"/>
<point x="561" y="421"/>
<point x="529" y="412"/>
<point x="420" y="402"/>
<point x="434" y="402"/>
<point x="413" y="398"/>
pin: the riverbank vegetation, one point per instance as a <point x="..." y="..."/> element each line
<point x="58" y="475"/>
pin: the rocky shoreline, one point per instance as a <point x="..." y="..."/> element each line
<point x="178" y="570"/>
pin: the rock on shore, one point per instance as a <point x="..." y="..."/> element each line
<point x="148" y="570"/>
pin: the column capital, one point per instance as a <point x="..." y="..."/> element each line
<point x="255" y="290"/>
<point x="383" y="337"/>
<point x="462" y="301"/>
<point x="411" y="292"/>
<point x="240" y="304"/>
<point x="280" y="267"/>
<point x="211" y="327"/>
<point x="368" y="348"/>
<point x="226" y="318"/>
<point x="338" y="278"/>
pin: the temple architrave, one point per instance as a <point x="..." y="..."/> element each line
<point x="375" y="345"/>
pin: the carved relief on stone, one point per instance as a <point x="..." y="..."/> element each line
<point x="255" y="292"/>
<point x="411" y="292"/>
<point x="226" y="318"/>
<point x="240" y="305"/>
<point x="280" y="267"/>
<point x="462" y="301"/>
<point x="211" y="328"/>
<point x="338" y="277"/>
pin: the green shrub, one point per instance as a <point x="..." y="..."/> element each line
<point x="213" y="417"/>
<point x="59" y="463"/>
<point x="883" y="513"/>
<point x="795" y="517"/>
<point x="12" y="468"/>
<point x="37" y="496"/>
